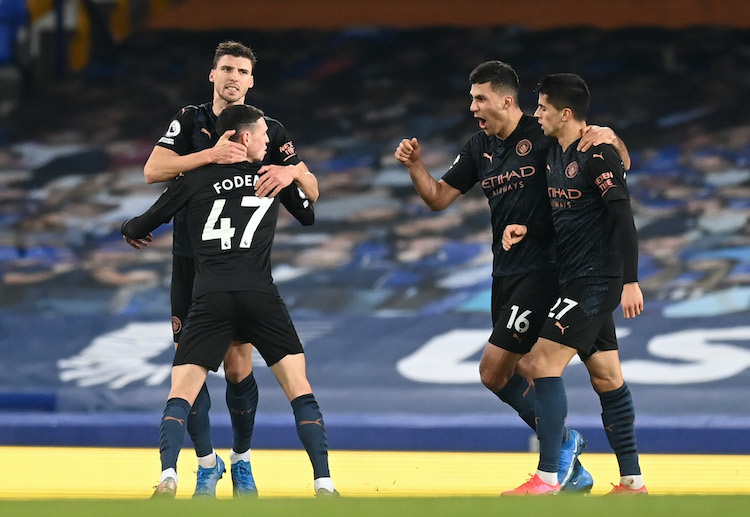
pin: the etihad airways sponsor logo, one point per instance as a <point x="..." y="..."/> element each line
<point x="562" y="197"/>
<point x="506" y="177"/>
<point x="563" y="193"/>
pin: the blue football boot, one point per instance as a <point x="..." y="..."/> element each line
<point x="569" y="452"/>
<point x="580" y="481"/>
<point x="205" y="485"/>
<point x="242" y="480"/>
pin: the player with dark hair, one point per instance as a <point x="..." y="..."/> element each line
<point x="507" y="158"/>
<point x="232" y="228"/>
<point x="596" y="247"/>
<point x="191" y="141"/>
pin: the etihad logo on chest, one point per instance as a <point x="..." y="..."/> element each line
<point x="507" y="181"/>
<point x="563" y="197"/>
<point x="563" y="193"/>
<point x="508" y="176"/>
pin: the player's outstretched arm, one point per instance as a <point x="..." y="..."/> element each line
<point x="596" y="135"/>
<point x="164" y="164"/>
<point x="513" y="234"/>
<point x="437" y="195"/>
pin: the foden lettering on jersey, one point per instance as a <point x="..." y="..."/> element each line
<point x="248" y="180"/>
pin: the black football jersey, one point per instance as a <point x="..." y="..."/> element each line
<point x="193" y="129"/>
<point x="231" y="229"/>
<point x="580" y="184"/>
<point x="511" y="173"/>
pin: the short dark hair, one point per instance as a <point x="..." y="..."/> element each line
<point x="234" y="49"/>
<point x="566" y="91"/>
<point x="238" y="117"/>
<point x="500" y="75"/>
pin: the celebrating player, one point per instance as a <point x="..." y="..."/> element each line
<point x="507" y="158"/>
<point x="191" y="141"/>
<point x="232" y="228"/>
<point x="596" y="248"/>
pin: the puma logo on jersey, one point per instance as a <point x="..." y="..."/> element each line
<point x="316" y="422"/>
<point x="178" y="420"/>
<point x="488" y="156"/>
<point x="600" y="155"/>
<point x="204" y="130"/>
<point x="562" y="329"/>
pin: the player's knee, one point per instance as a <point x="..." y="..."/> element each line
<point x="533" y="367"/>
<point x="238" y="363"/>
<point x="523" y="368"/>
<point x="606" y="383"/>
<point x="236" y="371"/>
<point x="492" y="381"/>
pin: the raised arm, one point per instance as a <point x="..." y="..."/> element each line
<point x="437" y="195"/>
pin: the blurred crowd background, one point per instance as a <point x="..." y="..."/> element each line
<point x="75" y="133"/>
<point x="72" y="156"/>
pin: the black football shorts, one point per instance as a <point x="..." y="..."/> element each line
<point x="520" y="304"/>
<point x="581" y="318"/>
<point x="215" y="319"/>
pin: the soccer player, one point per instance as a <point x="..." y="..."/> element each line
<point x="232" y="228"/>
<point x="191" y="141"/>
<point x="596" y="248"/>
<point x="507" y="158"/>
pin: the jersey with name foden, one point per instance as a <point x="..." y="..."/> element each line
<point x="193" y="129"/>
<point x="231" y="229"/>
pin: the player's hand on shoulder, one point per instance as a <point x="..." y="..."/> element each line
<point x="632" y="300"/>
<point x="225" y="151"/>
<point x="513" y="234"/>
<point x="138" y="243"/>
<point x="596" y="135"/>
<point x="408" y="151"/>
<point x="273" y="179"/>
